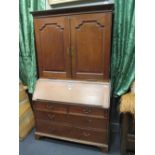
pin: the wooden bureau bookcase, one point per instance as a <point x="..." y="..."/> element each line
<point x="73" y="51"/>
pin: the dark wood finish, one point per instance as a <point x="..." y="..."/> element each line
<point x="90" y="46"/>
<point x="51" y="116"/>
<point x="73" y="46"/>
<point x="82" y="123"/>
<point x="71" y="131"/>
<point x="124" y="130"/>
<point x="104" y="147"/>
<point x="76" y="120"/>
<point x="88" y="122"/>
<point x="127" y="138"/>
<point x="85" y="110"/>
<point x="50" y="107"/>
<point x="53" y="42"/>
<point x="84" y="9"/>
<point x="131" y="142"/>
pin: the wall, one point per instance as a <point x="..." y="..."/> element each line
<point x="81" y="3"/>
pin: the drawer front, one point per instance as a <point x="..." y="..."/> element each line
<point x="79" y="121"/>
<point x="71" y="132"/>
<point x="52" y="128"/>
<point x="90" y="135"/>
<point x="50" y="116"/>
<point x="88" y="122"/>
<point x="49" y="106"/>
<point x="88" y="111"/>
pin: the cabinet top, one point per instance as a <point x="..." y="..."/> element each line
<point x="73" y="92"/>
<point x="95" y="8"/>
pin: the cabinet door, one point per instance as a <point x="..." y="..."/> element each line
<point x="52" y="42"/>
<point x="90" y="41"/>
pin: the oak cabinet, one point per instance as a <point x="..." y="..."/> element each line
<point x="71" y="100"/>
<point x="74" y="46"/>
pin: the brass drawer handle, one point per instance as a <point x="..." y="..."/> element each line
<point x="86" y="134"/>
<point x="87" y="110"/>
<point x="50" y="106"/>
<point x="51" y="117"/>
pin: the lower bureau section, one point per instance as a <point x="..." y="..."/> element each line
<point x="71" y="132"/>
<point x="75" y="123"/>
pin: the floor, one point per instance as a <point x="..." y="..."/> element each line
<point x="46" y="146"/>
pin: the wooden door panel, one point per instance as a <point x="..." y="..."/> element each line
<point x="90" y="41"/>
<point x="52" y="36"/>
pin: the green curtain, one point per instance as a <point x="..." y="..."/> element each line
<point x="27" y="61"/>
<point x="123" y="47"/>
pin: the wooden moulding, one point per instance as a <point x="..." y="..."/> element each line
<point x="103" y="147"/>
<point x="84" y="9"/>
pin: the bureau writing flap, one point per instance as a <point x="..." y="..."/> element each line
<point x="72" y="91"/>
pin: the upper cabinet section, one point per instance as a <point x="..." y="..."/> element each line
<point x="74" y="43"/>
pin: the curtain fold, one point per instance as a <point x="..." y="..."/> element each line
<point x="27" y="61"/>
<point x="123" y="47"/>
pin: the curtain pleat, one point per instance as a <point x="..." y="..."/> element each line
<point x="27" y="61"/>
<point x="123" y="47"/>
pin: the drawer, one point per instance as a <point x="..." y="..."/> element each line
<point x="78" y="121"/>
<point x="50" y="116"/>
<point x="88" y="122"/>
<point x="53" y="128"/>
<point x="88" y="111"/>
<point x="90" y="135"/>
<point x="50" y="106"/>
<point x="71" y="132"/>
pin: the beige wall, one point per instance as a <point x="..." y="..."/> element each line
<point x="75" y="4"/>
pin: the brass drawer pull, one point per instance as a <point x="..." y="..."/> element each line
<point x="87" y="110"/>
<point x="50" y="106"/>
<point x="51" y="117"/>
<point x="86" y="134"/>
